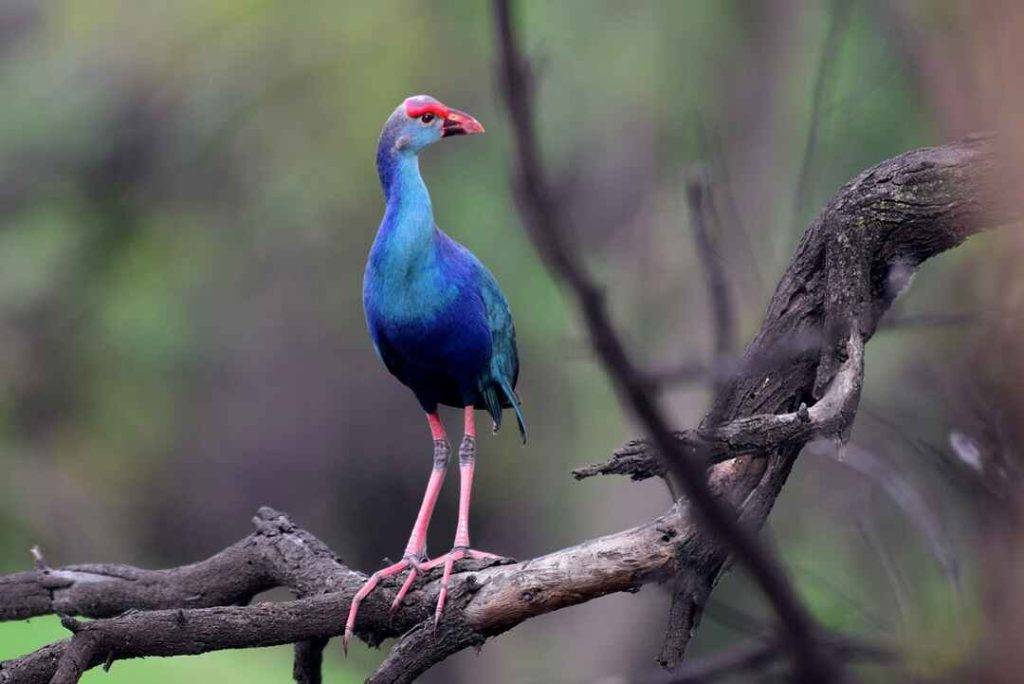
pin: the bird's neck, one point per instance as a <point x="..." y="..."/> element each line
<point x="408" y="225"/>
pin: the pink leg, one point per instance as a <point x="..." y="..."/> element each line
<point x="467" y="462"/>
<point x="415" y="550"/>
<point x="418" y="538"/>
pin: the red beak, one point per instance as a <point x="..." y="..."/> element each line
<point x="460" y="123"/>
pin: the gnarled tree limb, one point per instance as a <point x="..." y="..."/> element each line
<point x="277" y="554"/>
<point x="486" y="601"/>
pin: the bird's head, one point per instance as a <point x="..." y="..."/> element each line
<point x="421" y="120"/>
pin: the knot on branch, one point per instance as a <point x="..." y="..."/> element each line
<point x="271" y="522"/>
<point x="71" y="624"/>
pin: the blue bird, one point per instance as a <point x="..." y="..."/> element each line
<point x="439" y="322"/>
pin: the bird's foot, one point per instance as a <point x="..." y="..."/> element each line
<point x="448" y="561"/>
<point x="411" y="563"/>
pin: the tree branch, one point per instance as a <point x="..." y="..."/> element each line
<point x="277" y="554"/>
<point x="751" y="436"/>
<point x="486" y="601"/>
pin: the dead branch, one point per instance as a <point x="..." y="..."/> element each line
<point x="822" y="80"/>
<point x="277" y="554"/>
<point x="486" y="600"/>
<point x="753" y="435"/>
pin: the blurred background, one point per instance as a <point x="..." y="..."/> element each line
<point x="187" y="198"/>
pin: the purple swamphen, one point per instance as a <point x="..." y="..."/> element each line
<point x="440" y="324"/>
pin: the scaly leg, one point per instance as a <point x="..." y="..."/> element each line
<point x="415" y="550"/>
<point x="467" y="462"/>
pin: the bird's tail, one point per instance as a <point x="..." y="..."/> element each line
<point x="517" y="406"/>
<point x="495" y="404"/>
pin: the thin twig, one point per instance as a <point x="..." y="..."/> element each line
<point x="760" y="653"/>
<point x="927" y="320"/>
<point x="751" y="436"/>
<point x="723" y="313"/>
<point x="822" y="78"/>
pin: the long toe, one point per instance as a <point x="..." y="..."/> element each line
<point x="364" y="591"/>
<point x="410" y="578"/>
<point x="449" y="563"/>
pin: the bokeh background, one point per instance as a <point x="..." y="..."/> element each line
<point x="187" y="197"/>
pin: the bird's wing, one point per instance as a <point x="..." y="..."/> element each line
<point x="498" y="390"/>
<point x="504" y="354"/>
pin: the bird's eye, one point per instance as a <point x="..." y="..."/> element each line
<point x="427" y="118"/>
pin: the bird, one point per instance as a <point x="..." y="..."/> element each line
<point x="441" y="325"/>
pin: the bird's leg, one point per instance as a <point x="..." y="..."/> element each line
<point x="416" y="550"/>
<point x="461" y="549"/>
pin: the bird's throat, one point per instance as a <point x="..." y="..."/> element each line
<point x="404" y="189"/>
<point x="407" y="230"/>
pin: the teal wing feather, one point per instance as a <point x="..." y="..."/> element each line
<point x="498" y="391"/>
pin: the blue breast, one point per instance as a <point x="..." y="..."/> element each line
<point x="427" y="319"/>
